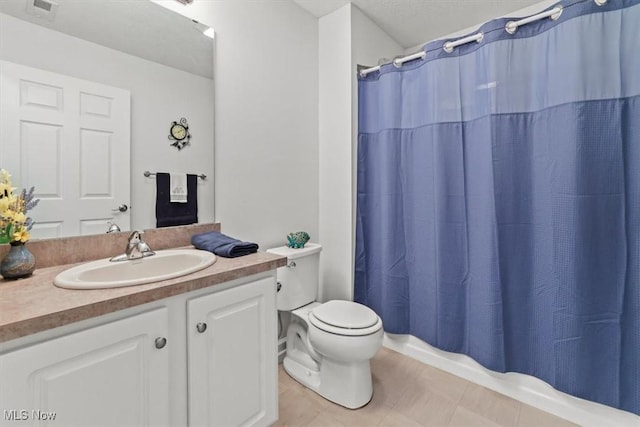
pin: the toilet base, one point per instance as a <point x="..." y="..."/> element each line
<point x="302" y="374"/>
<point x="348" y="385"/>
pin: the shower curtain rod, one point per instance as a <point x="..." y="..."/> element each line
<point x="511" y="27"/>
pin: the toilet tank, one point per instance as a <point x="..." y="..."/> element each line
<point x="298" y="282"/>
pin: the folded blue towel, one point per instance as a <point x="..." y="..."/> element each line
<point x="223" y="245"/>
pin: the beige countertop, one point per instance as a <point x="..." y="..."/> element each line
<point x="34" y="304"/>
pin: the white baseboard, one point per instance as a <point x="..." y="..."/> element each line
<point x="525" y="388"/>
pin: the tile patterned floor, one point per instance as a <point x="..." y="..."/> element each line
<point x="408" y="393"/>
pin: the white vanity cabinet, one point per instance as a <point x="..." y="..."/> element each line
<point x="115" y="374"/>
<point x="232" y="363"/>
<point x="152" y="365"/>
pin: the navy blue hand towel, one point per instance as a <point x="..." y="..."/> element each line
<point x="167" y="213"/>
<point x="223" y="245"/>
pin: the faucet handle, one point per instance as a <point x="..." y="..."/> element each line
<point x="134" y="237"/>
<point x="136" y="248"/>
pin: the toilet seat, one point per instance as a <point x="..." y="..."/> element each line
<point x="345" y="318"/>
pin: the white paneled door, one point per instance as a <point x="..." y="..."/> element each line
<point x="70" y="139"/>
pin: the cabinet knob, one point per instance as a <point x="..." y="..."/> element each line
<point x="161" y="342"/>
<point x="201" y="327"/>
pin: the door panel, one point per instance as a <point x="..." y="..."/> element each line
<point x="70" y="138"/>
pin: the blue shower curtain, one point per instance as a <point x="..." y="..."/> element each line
<point x="498" y="204"/>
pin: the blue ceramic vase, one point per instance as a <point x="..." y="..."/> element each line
<point x="18" y="262"/>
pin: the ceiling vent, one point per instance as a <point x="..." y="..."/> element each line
<point x="45" y="9"/>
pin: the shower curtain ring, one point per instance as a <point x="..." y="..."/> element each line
<point x="554" y="14"/>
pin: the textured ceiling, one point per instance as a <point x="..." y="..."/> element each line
<point x="414" y="22"/>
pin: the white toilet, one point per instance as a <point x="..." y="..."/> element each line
<point x="329" y="345"/>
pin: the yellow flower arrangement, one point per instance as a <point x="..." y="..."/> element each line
<point x="14" y="222"/>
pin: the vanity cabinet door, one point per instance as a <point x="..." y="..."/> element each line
<point x="232" y="341"/>
<point x="110" y="375"/>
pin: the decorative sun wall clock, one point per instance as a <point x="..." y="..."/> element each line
<point x="179" y="134"/>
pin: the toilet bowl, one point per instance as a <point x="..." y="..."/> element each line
<point x="329" y="345"/>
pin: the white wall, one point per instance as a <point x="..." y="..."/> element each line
<point x="266" y="115"/>
<point x="335" y="154"/>
<point x="347" y="38"/>
<point x="159" y="95"/>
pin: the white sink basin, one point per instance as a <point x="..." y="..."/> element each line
<point x="165" y="264"/>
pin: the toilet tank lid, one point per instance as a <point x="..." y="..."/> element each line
<point x="291" y="253"/>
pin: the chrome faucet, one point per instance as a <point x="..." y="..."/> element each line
<point x="133" y="246"/>
<point x="136" y="248"/>
<point x="113" y="227"/>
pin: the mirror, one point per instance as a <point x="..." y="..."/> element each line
<point x="135" y="62"/>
